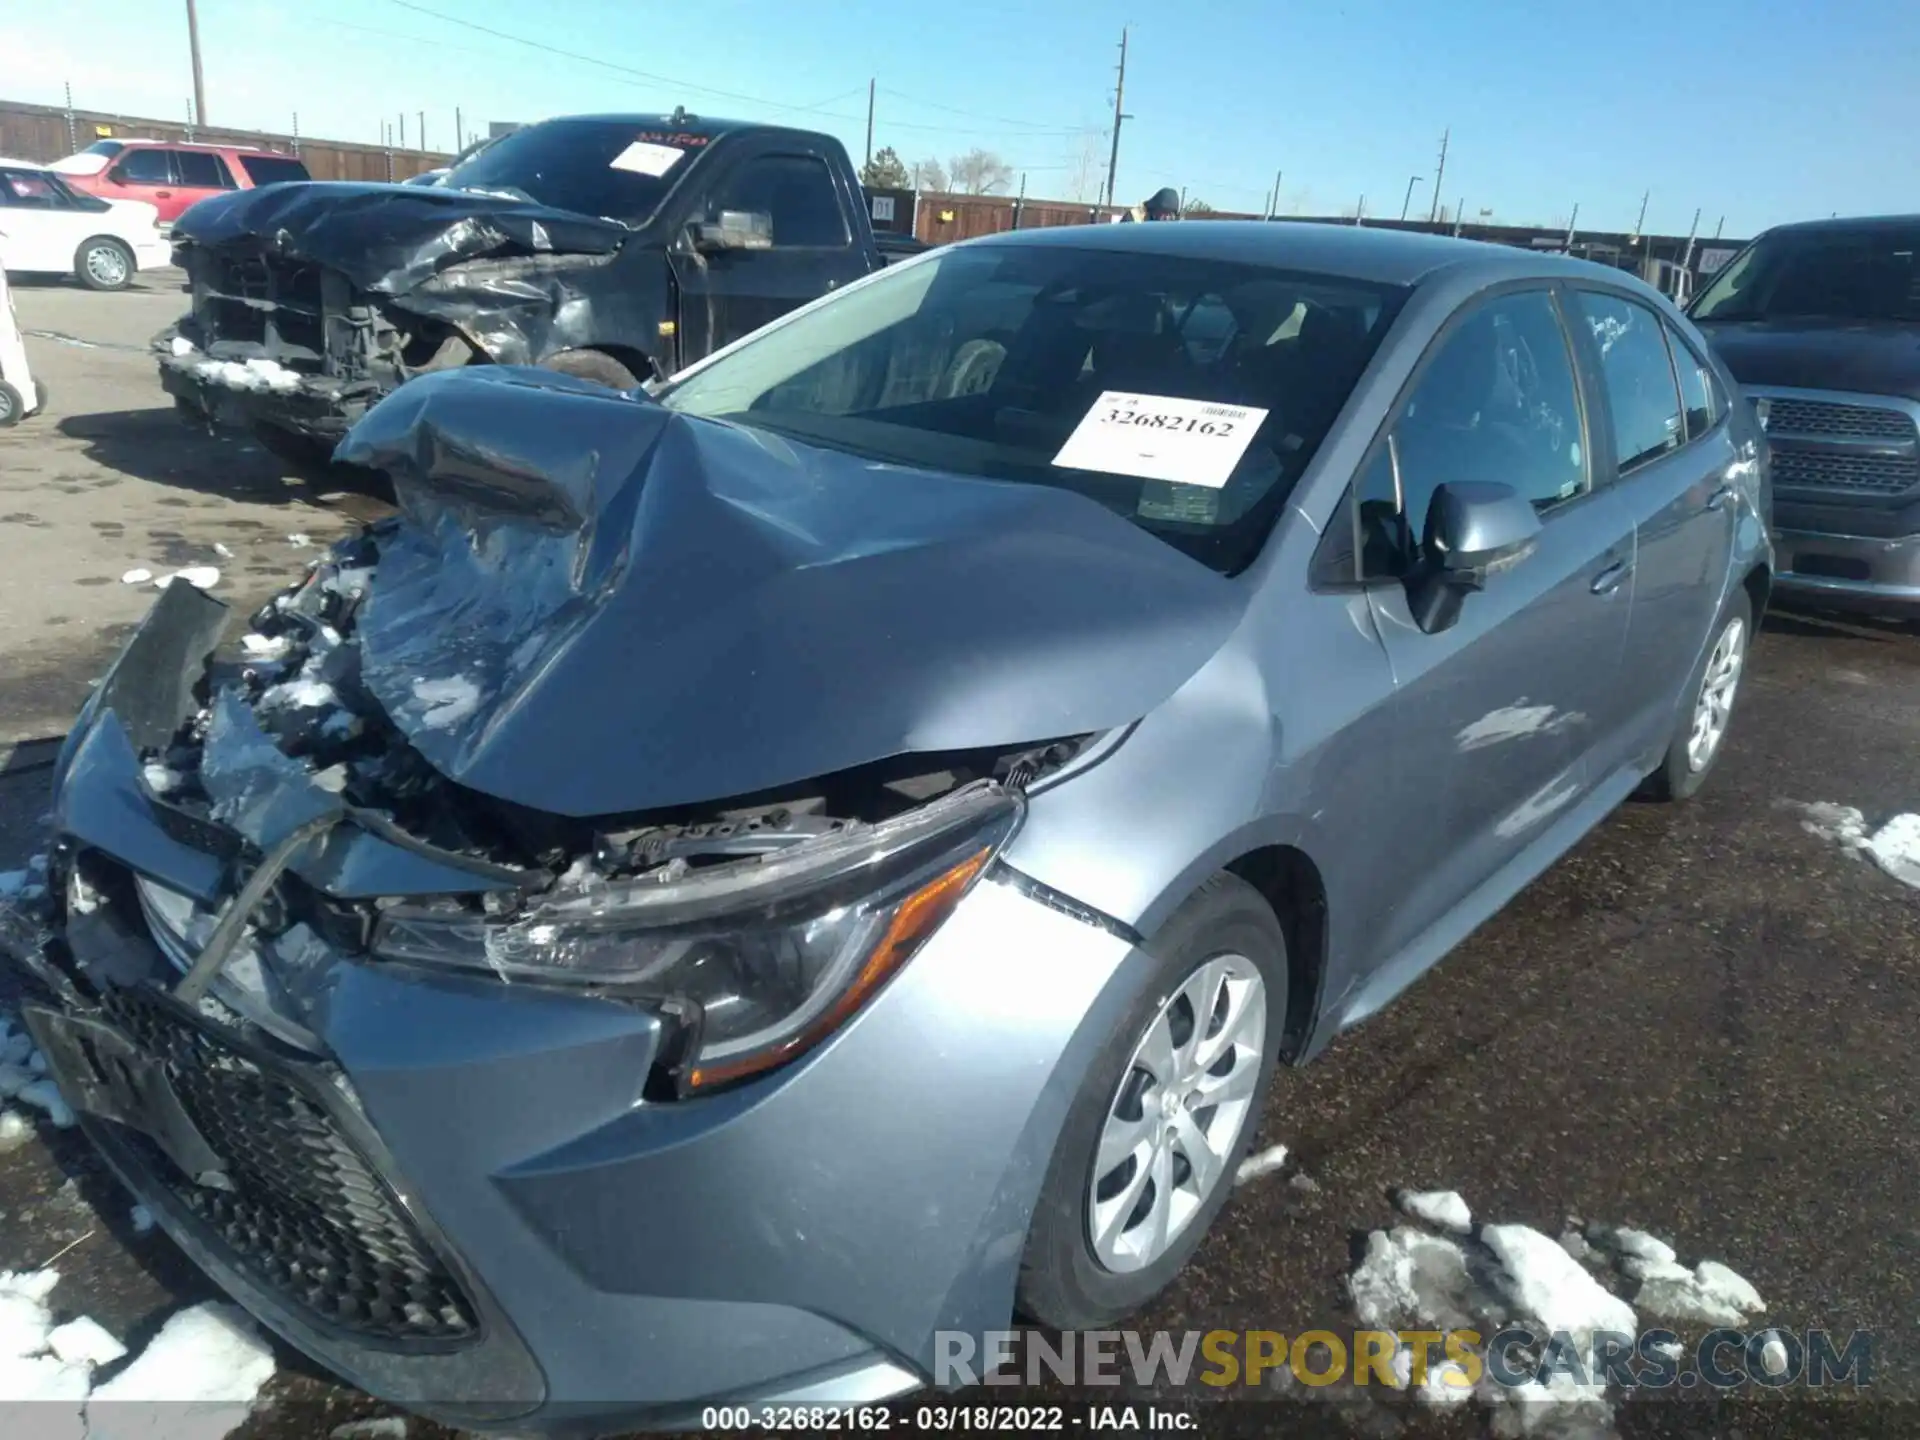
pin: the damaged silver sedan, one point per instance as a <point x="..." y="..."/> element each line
<point x="733" y="882"/>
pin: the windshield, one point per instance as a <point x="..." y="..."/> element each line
<point x="1814" y="275"/>
<point x="109" y="148"/>
<point x="617" y="169"/>
<point x="1186" y="395"/>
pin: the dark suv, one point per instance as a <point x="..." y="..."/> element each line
<point x="1820" y="323"/>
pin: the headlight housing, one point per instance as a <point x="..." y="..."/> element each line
<point x="760" y="960"/>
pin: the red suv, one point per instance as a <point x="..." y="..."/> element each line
<point x="171" y="175"/>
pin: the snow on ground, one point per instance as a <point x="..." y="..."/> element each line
<point x="1488" y="1277"/>
<point x="1259" y="1164"/>
<point x="1443" y="1209"/>
<point x="136" y="577"/>
<point x="201" y="577"/>
<point x="208" y="1364"/>
<point x="256" y="374"/>
<point x="1894" y="846"/>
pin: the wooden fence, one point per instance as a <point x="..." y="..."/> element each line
<point x="47" y="132"/>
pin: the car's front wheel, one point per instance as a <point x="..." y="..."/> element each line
<point x="104" y="263"/>
<point x="1149" y="1150"/>
<point x="1713" y="688"/>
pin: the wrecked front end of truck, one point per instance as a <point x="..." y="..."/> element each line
<point x="463" y="959"/>
<point x="312" y="301"/>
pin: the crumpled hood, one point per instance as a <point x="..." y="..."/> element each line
<point x="390" y="238"/>
<point x="594" y="605"/>
<point x="1820" y="354"/>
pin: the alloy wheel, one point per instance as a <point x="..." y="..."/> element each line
<point x="1176" y="1119"/>
<point x="1715" y="705"/>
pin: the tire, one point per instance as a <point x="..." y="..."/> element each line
<point x="13" y="406"/>
<point x="1682" y="772"/>
<point x="1066" y="1279"/>
<point x="594" y="365"/>
<point x="104" y="263"/>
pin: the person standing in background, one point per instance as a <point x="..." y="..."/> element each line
<point x="1165" y="205"/>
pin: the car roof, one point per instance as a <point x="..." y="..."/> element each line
<point x="196" y="145"/>
<point x="712" y="126"/>
<point x="1844" y="225"/>
<point x="1350" y="252"/>
<point x="12" y="164"/>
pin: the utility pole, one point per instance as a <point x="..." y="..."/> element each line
<point x="1718" y="228"/>
<point x="423" y="129"/>
<point x="1274" y="208"/>
<point x="1020" y="200"/>
<point x="403" y="129"/>
<point x="869" y="123"/>
<point x="1119" y="116"/>
<point x="1686" y="260"/>
<point x="296" y="133"/>
<point x="459" y="132"/>
<point x="1439" y="176"/>
<point x="1407" y="204"/>
<point x="199" y="85"/>
<point x="1360" y="210"/>
<point x="1572" y="220"/>
<point x="1641" y="224"/>
<point x="189" y="119"/>
<point x="73" y="137"/>
<point x="1459" y="211"/>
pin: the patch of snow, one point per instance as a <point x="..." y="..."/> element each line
<point x="222" y="551"/>
<point x="161" y="779"/>
<point x="1618" y="1240"/>
<point x="350" y="581"/>
<point x="1303" y="1182"/>
<point x="136" y="577"/>
<point x="1575" y="1244"/>
<point x="1446" y="1384"/>
<point x="265" y="647"/>
<point x="201" y="577"/>
<point x="1773" y="1356"/>
<point x="183" y="346"/>
<point x="1268" y="1160"/>
<point x="448" y="701"/>
<point x="85" y="1342"/>
<point x="142" y="1219"/>
<point x="1895" y="848"/>
<point x="258" y="374"/>
<point x="1442" y="1208"/>
<point x="1550" y="1286"/>
<point x="1710" y="1294"/>
<point x="209" y="1364"/>
<point x="15" y="1131"/>
<point x="299" y="540"/>
<point x="45" y="1095"/>
<point x="1638" y="1267"/>
<point x="302" y="693"/>
<point x="1408" y="1275"/>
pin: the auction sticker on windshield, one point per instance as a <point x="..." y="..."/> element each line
<point x="643" y="157"/>
<point x="1161" y="437"/>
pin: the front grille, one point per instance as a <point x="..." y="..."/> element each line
<point x="1829" y="470"/>
<point x="1830" y="419"/>
<point x="307" y="1215"/>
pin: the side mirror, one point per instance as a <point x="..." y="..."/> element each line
<point x="734" y="230"/>
<point x="117" y="174"/>
<point x="1474" y="529"/>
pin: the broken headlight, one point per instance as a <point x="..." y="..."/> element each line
<point x="764" y="959"/>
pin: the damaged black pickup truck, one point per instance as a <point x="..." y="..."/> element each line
<point x="614" y="248"/>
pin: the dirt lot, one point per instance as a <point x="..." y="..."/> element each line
<point x="1703" y="1022"/>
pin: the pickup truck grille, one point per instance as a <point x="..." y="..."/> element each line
<point x="1841" y="422"/>
<point x="1846" y="445"/>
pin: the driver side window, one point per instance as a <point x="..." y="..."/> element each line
<point x="1497" y="402"/>
<point x="797" y="191"/>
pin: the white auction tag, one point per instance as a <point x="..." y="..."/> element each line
<point x="1161" y="437"/>
<point x="643" y="157"/>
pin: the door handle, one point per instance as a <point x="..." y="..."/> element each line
<point x="1611" y="578"/>
<point x="163" y="194"/>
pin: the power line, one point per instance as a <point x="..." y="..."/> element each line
<point x="977" y="115"/>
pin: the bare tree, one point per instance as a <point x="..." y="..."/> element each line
<point x="1197" y="206"/>
<point x="928" y="175"/>
<point x="980" y="172"/>
<point x="1089" y="169"/>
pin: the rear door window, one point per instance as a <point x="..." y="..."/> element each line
<point x="147" y="167"/>
<point x="24" y="190"/>
<point x="202" y="170"/>
<point x="796" y="190"/>
<point x="1638" y="375"/>
<point x="273" y="169"/>
<point x="1696" y="385"/>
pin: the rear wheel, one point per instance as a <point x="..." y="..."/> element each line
<point x="13" y="406"/>
<point x="1702" y="732"/>
<point x="104" y="263"/>
<point x="1149" y="1150"/>
<point x="595" y="365"/>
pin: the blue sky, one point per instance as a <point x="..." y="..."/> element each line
<point x="1758" y="112"/>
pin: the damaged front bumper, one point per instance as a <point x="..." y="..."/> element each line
<point x="464" y="1194"/>
<point x="241" y="393"/>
